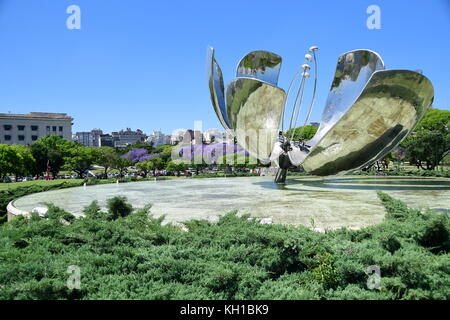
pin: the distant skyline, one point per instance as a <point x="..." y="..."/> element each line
<point x="141" y="64"/>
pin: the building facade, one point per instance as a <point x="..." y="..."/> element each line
<point x="126" y="137"/>
<point x="25" y="129"/>
<point x="96" y="137"/>
<point x="89" y="138"/>
<point x="106" y="140"/>
<point x="177" y="136"/>
<point x="157" y="138"/>
<point x="84" y="138"/>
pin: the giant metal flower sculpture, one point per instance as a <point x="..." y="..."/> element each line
<point x="368" y="112"/>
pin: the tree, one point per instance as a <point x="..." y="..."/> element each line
<point x="430" y="140"/>
<point x="176" y="167"/>
<point x="136" y="155"/>
<point x="157" y="162"/>
<point x="427" y="147"/>
<point x="105" y="158"/>
<point x="308" y="133"/>
<point x="8" y="160"/>
<point x="236" y="160"/>
<point x="145" y="167"/>
<point x="165" y="152"/>
<point x="51" y="149"/>
<point x="25" y="164"/>
<point x="138" y="145"/>
<point x="80" y="159"/>
<point x="434" y="119"/>
<point x="139" y="155"/>
<point x="122" y="165"/>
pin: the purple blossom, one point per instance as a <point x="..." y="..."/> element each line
<point x="139" y="155"/>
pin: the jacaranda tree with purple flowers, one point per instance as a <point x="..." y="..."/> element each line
<point x="139" y="155"/>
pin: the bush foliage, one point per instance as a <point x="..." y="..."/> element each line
<point x="408" y="173"/>
<point x="6" y="196"/>
<point x="125" y="253"/>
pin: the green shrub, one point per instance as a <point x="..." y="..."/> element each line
<point x="58" y="214"/>
<point x="128" y="254"/>
<point x="325" y="272"/>
<point x="409" y="173"/>
<point x="119" y="207"/>
<point x="390" y="243"/>
<point x="93" y="211"/>
<point x="91" y="181"/>
<point x="395" y="209"/>
<point x="6" y="196"/>
<point x="436" y="235"/>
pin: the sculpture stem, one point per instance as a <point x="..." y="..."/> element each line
<point x="314" y="94"/>
<point x="280" y="177"/>
<point x="295" y="103"/>
<point x="299" y="108"/>
<point x="287" y="96"/>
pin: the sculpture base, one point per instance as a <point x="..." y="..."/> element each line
<point x="280" y="177"/>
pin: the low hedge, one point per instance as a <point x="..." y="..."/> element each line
<point x="407" y="173"/>
<point x="126" y="254"/>
<point x="6" y="196"/>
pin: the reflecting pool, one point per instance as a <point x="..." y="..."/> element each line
<point x="320" y="203"/>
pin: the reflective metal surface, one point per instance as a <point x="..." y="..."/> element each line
<point x="261" y="65"/>
<point x="386" y="111"/>
<point x="297" y="155"/>
<point x="276" y="153"/>
<point x="254" y="109"/>
<point x="216" y="88"/>
<point x="353" y="70"/>
<point x="368" y="112"/>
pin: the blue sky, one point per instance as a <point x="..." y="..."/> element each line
<point x="141" y="63"/>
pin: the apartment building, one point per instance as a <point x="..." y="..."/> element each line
<point x="26" y="128"/>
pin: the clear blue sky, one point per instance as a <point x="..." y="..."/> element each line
<point x="141" y="63"/>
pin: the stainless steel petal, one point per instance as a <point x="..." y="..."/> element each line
<point x="216" y="88"/>
<point x="389" y="107"/>
<point x="276" y="152"/>
<point x="262" y="65"/>
<point x="353" y="70"/>
<point x="254" y="109"/>
<point x="297" y="156"/>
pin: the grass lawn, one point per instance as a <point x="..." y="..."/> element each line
<point x="13" y="185"/>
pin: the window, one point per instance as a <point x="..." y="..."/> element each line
<point x="21" y="138"/>
<point x="34" y="138"/>
<point x="21" y="128"/>
<point x="7" y="137"/>
<point x="54" y="128"/>
<point x="60" y="129"/>
<point x="48" y="128"/>
<point x="34" y="128"/>
<point x="7" y="127"/>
